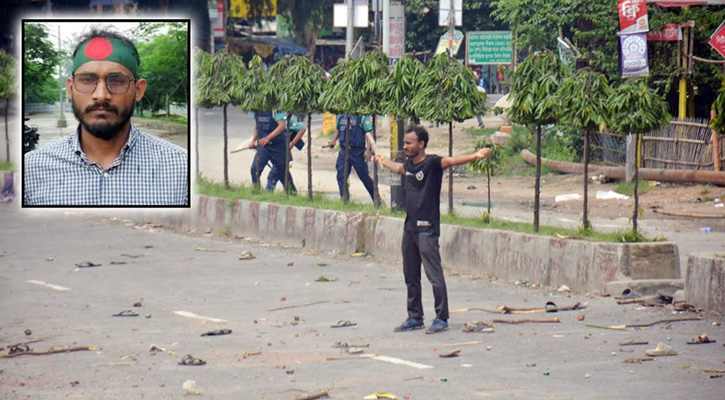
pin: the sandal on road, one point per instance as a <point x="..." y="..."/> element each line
<point x="87" y="264"/>
<point x="661" y="350"/>
<point x="342" y="324"/>
<point x="217" y="332"/>
<point x="126" y="313"/>
<point x="191" y="360"/>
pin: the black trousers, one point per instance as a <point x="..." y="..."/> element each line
<point x="422" y="247"/>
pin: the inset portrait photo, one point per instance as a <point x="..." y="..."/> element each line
<point x="107" y="103"/>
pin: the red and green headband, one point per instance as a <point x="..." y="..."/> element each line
<point x="107" y="49"/>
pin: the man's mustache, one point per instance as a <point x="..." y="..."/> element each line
<point x="102" y="106"/>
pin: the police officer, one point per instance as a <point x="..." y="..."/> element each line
<point x="269" y="141"/>
<point x="296" y="131"/>
<point x="358" y="152"/>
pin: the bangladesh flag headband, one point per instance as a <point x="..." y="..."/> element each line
<point x="107" y="49"/>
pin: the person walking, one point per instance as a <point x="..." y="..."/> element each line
<point x="268" y="140"/>
<point x="358" y="151"/>
<point x="423" y="178"/>
<point x="296" y="131"/>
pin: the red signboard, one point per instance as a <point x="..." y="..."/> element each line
<point x="671" y="33"/>
<point x="717" y="40"/>
<point x="633" y="16"/>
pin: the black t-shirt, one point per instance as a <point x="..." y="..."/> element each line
<point x="423" y="194"/>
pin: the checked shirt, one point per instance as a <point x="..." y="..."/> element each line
<point x="148" y="172"/>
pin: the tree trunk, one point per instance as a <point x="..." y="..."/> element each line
<point x="309" y="156"/>
<point x="376" y="190"/>
<point x="488" y="203"/>
<point x="196" y="140"/>
<point x="346" y="169"/>
<point x="168" y="106"/>
<point x="635" y="214"/>
<point x="286" y="154"/>
<point x="585" y="220"/>
<point x="450" y="171"/>
<point x="537" y="185"/>
<point x="7" y="136"/>
<point x="226" y="161"/>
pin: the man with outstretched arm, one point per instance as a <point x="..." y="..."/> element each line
<point x="423" y="178"/>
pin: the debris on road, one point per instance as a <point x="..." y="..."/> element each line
<point x="210" y="250"/>
<point x="528" y="320"/>
<point x="251" y="353"/>
<point x="701" y="340"/>
<point x="125" y="313"/>
<point x="478" y="326"/>
<point x="189" y="387"/>
<point x="217" y="332"/>
<point x="53" y="350"/>
<point x="637" y="360"/>
<point x="380" y="395"/>
<point x="246" y="255"/>
<point x="318" y="395"/>
<point x="298" y="305"/>
<point x="633" y="342"/>
<point x="323" y="278"/>
<point x="87" y="264"/>
<point x="462" y="343"/>
<point x="28" y="332"/>
<point x="451" y="354"/>
<point x="628" y="326"/>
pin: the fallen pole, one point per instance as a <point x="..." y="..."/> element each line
<point x="320" y="394"/>
<point x="54" y="350"/>
<point x="650" y="174"/>
<point x="526" y="320"/>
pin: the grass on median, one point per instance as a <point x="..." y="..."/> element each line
<point x="209" y="188"/>
<point x="8" y="166"/>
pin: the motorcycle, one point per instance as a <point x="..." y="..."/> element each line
<point x="30" y="136"/>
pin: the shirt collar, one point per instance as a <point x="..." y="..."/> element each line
<point x="133" y="137"/>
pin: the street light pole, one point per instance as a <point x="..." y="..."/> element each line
<point x="62" y="123"/>
<point x="350" y="29"/>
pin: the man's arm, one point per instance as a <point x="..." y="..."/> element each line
<point x="297" y="137"/>
<point x="253" y="142"/>
<point x="334" y="138"/>
<point x="391" y="165"/>
<point x="279" y="129"/>
<point x="458" y="160"/>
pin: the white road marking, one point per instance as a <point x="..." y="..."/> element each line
<point x="398" y="361"/>
<point x="192" y="315"/>
<point x="49" y="285"/>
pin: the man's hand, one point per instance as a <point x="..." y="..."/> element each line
<point x="331" y="143"/>
<point x="379" y="158"/>
<point x="367" y="154"/>
<point x="252" y="144"/>
<point x="263" y="141"/>
<point x="483" y="153"/>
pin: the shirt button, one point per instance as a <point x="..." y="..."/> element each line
<point x="106" y="174"/>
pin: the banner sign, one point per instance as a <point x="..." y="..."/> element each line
<point x="489" y="47"/>
<point x="634" y="55"/>
<point x="633" y="16"/>
<point x="445" y="41"/>
<point x="397" y="32"/>
<point x="243" y="9"/>
<point x="671" y="33"/>
<point x="680" y="3"/>
<point x="717" y="40"/>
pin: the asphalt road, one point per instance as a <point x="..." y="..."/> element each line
<point x="170" y="272"/>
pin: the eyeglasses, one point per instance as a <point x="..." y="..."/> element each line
<point x="116" y="83"/>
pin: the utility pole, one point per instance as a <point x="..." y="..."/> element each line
<point x="350" y="30"/>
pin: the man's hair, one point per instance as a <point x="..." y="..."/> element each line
<point x="106" y="31"/>
<point x="420" y="132"/>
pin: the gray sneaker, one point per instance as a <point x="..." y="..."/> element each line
<point x="438" y="325"/>
<point x="410" y="324"/>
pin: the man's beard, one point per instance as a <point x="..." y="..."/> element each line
<point x="103" y="130"/>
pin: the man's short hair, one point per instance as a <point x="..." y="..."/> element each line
<point x="420" y="132"/>
<point x="107" y="31"/>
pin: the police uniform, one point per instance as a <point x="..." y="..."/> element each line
<point x="274" y="151"/>
<point x="276" y="175"/>
<point x="356" y="158"/>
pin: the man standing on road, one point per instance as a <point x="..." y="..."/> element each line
<point x="107" y="160"/>
<point x="358" y="153"/>
<point x="423" y="178"/>
<point x="296" y="131"/>
<point x="269" y="141"/>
